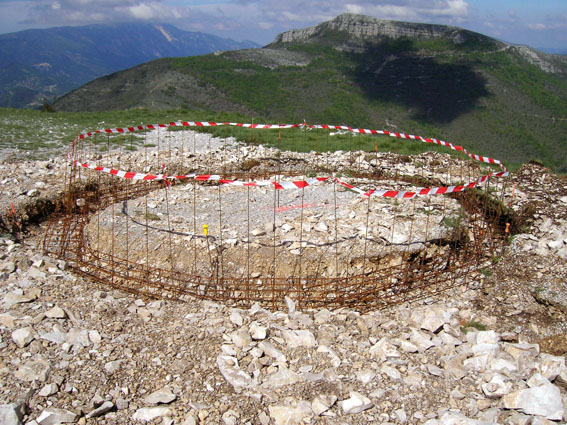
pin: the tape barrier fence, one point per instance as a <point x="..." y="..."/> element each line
<point x="292" y="184"/>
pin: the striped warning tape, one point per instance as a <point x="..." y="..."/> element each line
<point x="292" y="184"/>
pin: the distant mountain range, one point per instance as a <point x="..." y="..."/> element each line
<point x="506" y="101"/>
<point x="553" y="51"/>
<point x="46" y="63"/>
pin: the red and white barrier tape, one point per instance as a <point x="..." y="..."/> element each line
<point x="293" y="184"/>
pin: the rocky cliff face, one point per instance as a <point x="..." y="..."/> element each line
<point x="363" y="27"/>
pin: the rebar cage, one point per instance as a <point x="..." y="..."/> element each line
<point x="216" y="219"/>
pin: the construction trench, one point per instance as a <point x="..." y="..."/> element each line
<point x="271" y="225"/>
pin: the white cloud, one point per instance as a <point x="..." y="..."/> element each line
<point x="537" y="27"/>
<point x="261" y="20"/>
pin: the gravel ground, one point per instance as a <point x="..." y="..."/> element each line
<point x="491" y="352"/>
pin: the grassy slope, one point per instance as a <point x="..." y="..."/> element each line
<point x="495" y="103"/>
<point x="478" y="95"/>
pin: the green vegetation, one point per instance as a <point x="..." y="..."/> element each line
<point x="38" y="135"/>
<point x="477" y="93"/>
<point x="472" y="324"/>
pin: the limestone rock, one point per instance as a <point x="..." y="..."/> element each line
<point x="236" y="377"/>
<point x="272" y="351"/>
<point x="113" y="366"/>
<point x="23" y="336"/>
<point x="432" y="319"/>
<point x="456" y="418"/>
<point x="53" y="416"/>
<point x="56" y="313"/>
<point x="48" y="390"/>
<point x="149" y="413"/>
<point x="34" y="370"/>
<point x="190" y="419"/>
<point x="289" y="415"/>
<point x="161" y="396"/>
<point x="384" y="350"/>
<point x="356" y="403"/>
<point x="551" y="366"/>
<point x="10" y="414"/>
<point x="105" y="407"/>
<point x="496" y="387"/>
<point x="236" y="318"/>
<point x="299" y="338"/>
<point x="258" y="332"/>
<point x="282" y="377"/>
<point x="7" y="320"/>
<point x="544" y="400"/>
<point x="322" y="403"/>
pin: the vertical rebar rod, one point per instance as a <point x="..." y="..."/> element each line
<point x="147" y="230"/>
<point x="220" y="236"/>
<point x="195" y="227"/>
<point x="300" y="246"/>
<point x="336" y="230"/>
<point x="274" y="262"/>
<point x="169" y="231"/>
<point x="248" y="241"/>
<point x="366" y="236"/>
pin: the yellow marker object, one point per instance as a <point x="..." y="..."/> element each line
<point x="507" y="228"/>
<point x="205" y="229"/>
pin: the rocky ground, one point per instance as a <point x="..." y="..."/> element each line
<point x="493" y="352"/>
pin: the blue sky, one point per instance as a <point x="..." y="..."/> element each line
<point x="541" y="23"/>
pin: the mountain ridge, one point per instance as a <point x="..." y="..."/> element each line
<point x="48" y="63"/>
<point x="450" y="84"/>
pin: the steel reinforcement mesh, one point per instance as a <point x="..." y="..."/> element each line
<point x="261" y="233"/>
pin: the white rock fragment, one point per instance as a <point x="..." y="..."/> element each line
<point x="34" y="370"/>
<point x="455" y="418"/>
<point x="241" y="338"/>
<point x="272" y="351"/>
<point x="289" y="415"/>
<point x="10" y="414"/>
<point x="384" y="350"/>
<point x="48" y="390"/>
<point x="53" y="416"/>
<point x="299" y="338"/>
<point x="112" y="366"/>
<point x="235" y="376"/>
<point x="422" y="342"/>
<point x="95" y="337"/>
<point x="56" y="313"/>
<point x="431" y="319"/>
<point x="147" y="414"/>
<point x="290" y="304"/>
<point x="356" y="403"/>
<point x="322" y="403"/>
<point x="391" y="372"/>
<point x="190" y="419"/>
<point x="57" y="335"/>
<point x="258" y="332"/>
<point x="161" y="396"/>
<point x="236" y="318"/>
<point x="496" y="387"/>
<point x="7" y="321"/>
<point x="335" y="359"/>
<point x="78" y="337"/>
<point x="365" y="376"/>
<point x="23" y="336"/>
<point x="401" y="415"/>
<point x="544" y="400"/>
<point x="281" y="378"/>
<point x="258" y="232"/>
<point x="551" y="366"/>
<point x="105" y="407"/>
